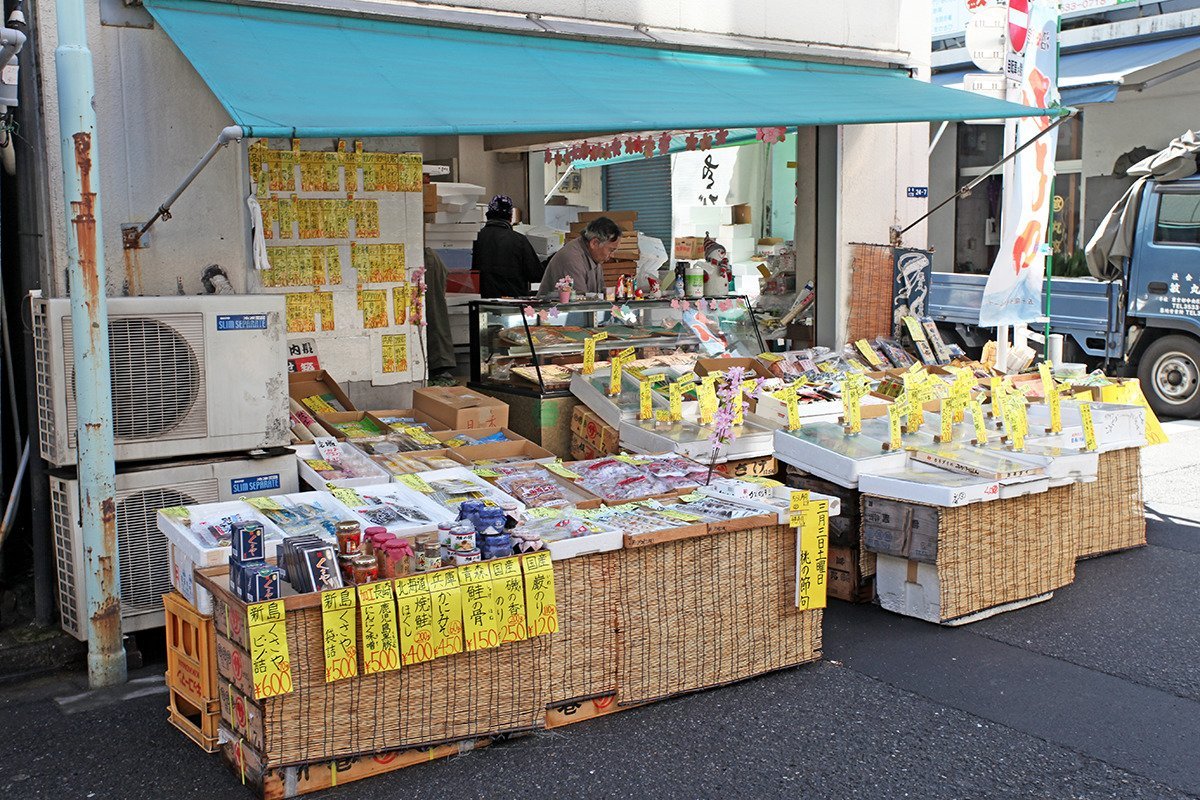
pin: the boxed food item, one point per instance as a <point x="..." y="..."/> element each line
<point x="459" y="408"/>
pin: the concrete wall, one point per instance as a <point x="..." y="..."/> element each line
<point x="943" y="182"/>
<point x="854" y="23"/>
<point x="1151" y="119"/>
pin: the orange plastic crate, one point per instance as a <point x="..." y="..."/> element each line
<point x="191" y="671"/>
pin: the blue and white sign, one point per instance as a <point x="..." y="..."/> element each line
<point x="918" y="191"/>
<point x="259" y="483"/>
<point x="241" y="322"/>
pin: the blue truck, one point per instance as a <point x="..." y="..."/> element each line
<point x="1142" y="320"/>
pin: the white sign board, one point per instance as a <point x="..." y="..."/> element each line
<point x="986" y="38"/>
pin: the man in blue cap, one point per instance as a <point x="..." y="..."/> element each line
<point x="505" y="259"/>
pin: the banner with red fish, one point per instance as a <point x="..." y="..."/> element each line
<point x="1014" y="288"/>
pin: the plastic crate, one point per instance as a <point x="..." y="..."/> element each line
<point x="191" y="671"/>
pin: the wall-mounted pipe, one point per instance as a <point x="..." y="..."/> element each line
<point x="227" y="136"/>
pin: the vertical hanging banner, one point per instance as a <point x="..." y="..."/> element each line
<point x="1013" y="293"/>
<point x="912" y="271"/>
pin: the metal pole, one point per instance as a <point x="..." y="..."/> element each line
<point x="89" y="325"/>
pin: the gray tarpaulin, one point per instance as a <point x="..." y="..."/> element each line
<point x="1113" y="240"/>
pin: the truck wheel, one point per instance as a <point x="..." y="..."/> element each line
<point x="1169" y="371"/>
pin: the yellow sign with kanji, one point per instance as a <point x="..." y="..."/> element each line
<point x="270" y="663"/>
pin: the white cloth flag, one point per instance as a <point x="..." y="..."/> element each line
<point x="1014" y="288"/>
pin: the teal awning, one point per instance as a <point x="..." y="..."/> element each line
<point x="292" y="73"/>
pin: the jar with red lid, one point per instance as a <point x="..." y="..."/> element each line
<point x="349" y="537"/>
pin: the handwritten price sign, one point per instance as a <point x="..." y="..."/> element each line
<point x="339" y="634"/>
<point x="381" y="641"/>
<point x="415" y="610"/>
<point x="270" y="663"/>
<point x="541" y="608"/>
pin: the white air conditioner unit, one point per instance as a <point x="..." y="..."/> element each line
<point x="190" y="375"/>
<point x="143" y="560"/>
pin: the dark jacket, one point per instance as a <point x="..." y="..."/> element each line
<point x="506" y="261"/>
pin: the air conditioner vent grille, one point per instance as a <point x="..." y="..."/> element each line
<point x="144" y="560"/>
<point x="158" y="381"/>
<point x="71" y="601"/>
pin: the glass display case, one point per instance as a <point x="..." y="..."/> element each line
<point x="532" y="348"/>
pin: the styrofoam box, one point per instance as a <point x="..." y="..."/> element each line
<point x="922" y="598"/>
<point x="920" y="484"/>
<point x="186" y="552"/>
<point x="601" y="542"/>
<point x="684" y="438"/>
<point x="1117" y="426"/>
<point x="351" y="455"/>
<point x="777" y="499"/>
<point x="823" y="449"/>
<point x="437" y="513"/>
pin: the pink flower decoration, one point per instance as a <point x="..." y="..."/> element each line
<point x="702" y="304"/>
<point x="721" y="136"/>
<point x="543" y="315"/>
<point x="552" y="313"/>
<point x="684" y="305"/>
<point x="664" y="143"/>
<point x="725" y="305"/>
<point x="675" y="303"/>
<point x="528" y="311"/>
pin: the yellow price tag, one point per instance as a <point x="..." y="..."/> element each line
<point x="541" y="609"/>
<point x="998" y="404"/>
<point x="813" y="558"/>
<point x="414" y="613"/>
<point x="645" y="399"/>
<point x="589" y="355"/>
<point x="948" y="410"/>
<point x="485" y="472"/>
<point x="446" y="604"/>
<point x="793" y="410"/>
<point x="558" y="469"/>
<point x="381" y="640"/>
<point x="770" y="358"/>
<point x="1089" y="427"/>
<point x="799" y="500"/>
<point x="339" y="634"/>
<point x="914" y="329"/>
<point x="627" y="354"/>
<point x="868" y="352"/>
<point x="662" y="415"/>
<point x="981" y="434"/>
<point x="346" y="496"/>
<point x="421" y="436"/>
<point x="270" y="662"/>
<point x="851" y="406"/>
<point x="615" y="367"/>
<point x="706" y="394"/>
<point x="675" y="398"/>
<point x="415" y="482"/>
<point x="264" y="503"/>
<point x="481" y="622"/>
<point x="895" y="412"/>
<point x="508" y="596"/>
<point x="600" y="336"/>
<point x="1017" y="422"/>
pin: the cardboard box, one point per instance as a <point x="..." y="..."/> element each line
<point x="689" y="247"/>
<point x="754" y="368"/>
<point x="762" y="466"/>
<point x="904" y="530"/>
<point x="524" y="450"/>
<point x="845" y="580"/>
<point x="459" y="408"/>
<point x="429" y="203"/>
<point x="318" y="383"/>
<point x="589" y="429"/>
<point x="616" y="216"/>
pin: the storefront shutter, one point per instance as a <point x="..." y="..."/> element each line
<point x="644" y="187"/>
